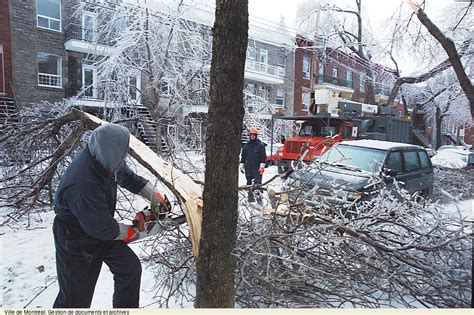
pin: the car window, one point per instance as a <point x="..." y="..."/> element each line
<point x="411" y="161"/>
<point x="424" y="159"/>
<point x="394" y="161"/>
<point x="367" y="159"/>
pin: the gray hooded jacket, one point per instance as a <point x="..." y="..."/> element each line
<point x="87" y="193"/>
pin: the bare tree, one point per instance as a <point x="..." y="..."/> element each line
<point x="450" y="49"/>
<point x="216" y="263"/>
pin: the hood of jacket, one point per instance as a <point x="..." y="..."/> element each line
<point x="108" y="144"/>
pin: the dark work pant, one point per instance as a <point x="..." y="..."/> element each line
<point x="253" y="176"/>
<point x="79" y="258"/>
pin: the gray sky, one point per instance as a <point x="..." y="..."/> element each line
<point x="378" y="10"/>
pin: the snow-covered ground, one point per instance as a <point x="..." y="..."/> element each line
<point x="28" y="262"/>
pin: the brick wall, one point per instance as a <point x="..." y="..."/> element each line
<point x="5" y="42"/>
<point x="27" y="41"/>
<point x="299" y="82"/>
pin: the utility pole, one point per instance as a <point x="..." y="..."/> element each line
<point x="314" y="55"/>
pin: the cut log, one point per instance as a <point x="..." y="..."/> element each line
<point x="188" y="192"/>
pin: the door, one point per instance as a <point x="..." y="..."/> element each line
<point x="89" y="81"/>
<point x="88" y="27"/>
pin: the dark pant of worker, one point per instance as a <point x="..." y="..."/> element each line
<point x="253" y="178"/>
<point x="79" y="259"/>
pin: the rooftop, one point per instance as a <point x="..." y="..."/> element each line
<point x="377" y="144"/>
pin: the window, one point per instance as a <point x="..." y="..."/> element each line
<point x="251" y="88"/>
<point x="280" y="97"/>
<point x="49" y="70"/>
<point x="305" y="103"/>
<point x="411" y="161"/>
<point x="263" y="56"/>
<point x="251" y="53"/>
<point x="362" y="83"/>
<point x="424" y="159"/>
<point x="49" y="14"/>
<point x="165" y="88"/>
<point x="89" y="81"/>
<point x="334" y="74"/>
<point x="306" y="68"/>
<point x="88" y="26"/>
<point x="281" y="61"/>
<point x="134" y="87"/>
<point x="394" y="162"/>
<point x="321" y="73"/>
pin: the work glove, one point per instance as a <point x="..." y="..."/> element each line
<point x="128" y="233"/>
<point x="262" y="168"/>
<point x="241" y="166"/>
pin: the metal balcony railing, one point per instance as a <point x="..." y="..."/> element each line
<point x="337" y="81"/>
<point x="275" y="71"/>
<point x="78" y="32"/>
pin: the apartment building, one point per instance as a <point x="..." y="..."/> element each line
<point x="338" y="79"/>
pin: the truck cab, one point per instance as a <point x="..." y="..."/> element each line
<point x="315" y="136"/>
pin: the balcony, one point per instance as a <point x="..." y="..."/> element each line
<point x="344" y="87"/>
<point x="85" y="40"/>
<point x="263" y="72"/>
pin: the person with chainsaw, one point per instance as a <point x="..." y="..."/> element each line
<point x="85" y="231"/>
<point x="252" y="161"/>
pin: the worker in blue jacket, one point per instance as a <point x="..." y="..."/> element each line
<point x="86" y="233"/>
<point x="253" y="160"/>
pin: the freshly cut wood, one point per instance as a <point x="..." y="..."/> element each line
<point x="188" y="192"/>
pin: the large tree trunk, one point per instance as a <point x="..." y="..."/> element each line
<point x="450" y="50"/>
<point x="216" y="264"/>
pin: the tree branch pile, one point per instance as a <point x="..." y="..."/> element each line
<point x="35" y="149"/>
<point x="393" y="254"/>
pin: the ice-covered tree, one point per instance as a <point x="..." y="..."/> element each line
<point x="341" y="27"/>
<point x="160" y="44"/>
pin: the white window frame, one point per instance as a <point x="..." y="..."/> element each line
<point x="283" y="58"/>
<point x="362" y="83"/>
<point x="307" y="65"/>
<point x="320" y="72"/>
<point x="280" y="95"/>
<point x="305" y="96"/>
<point x="94" y="79"/>
<point x="251" y="53"/>
<point x="49" y="19"/>
<point x="138" y="85"/>
<point x="252" y="90"/>
<point x="349" y="75"/>
<point x="51" y="77"/>
<point x="335" y="72"/>
<point x="263" y="58"/>
<point x="94" y="25"/>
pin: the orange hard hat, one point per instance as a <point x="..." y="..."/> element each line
<point x="253" y="131"/>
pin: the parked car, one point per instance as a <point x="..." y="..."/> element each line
<point x="352" y="171"/>
<point x="453" y="157"/>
